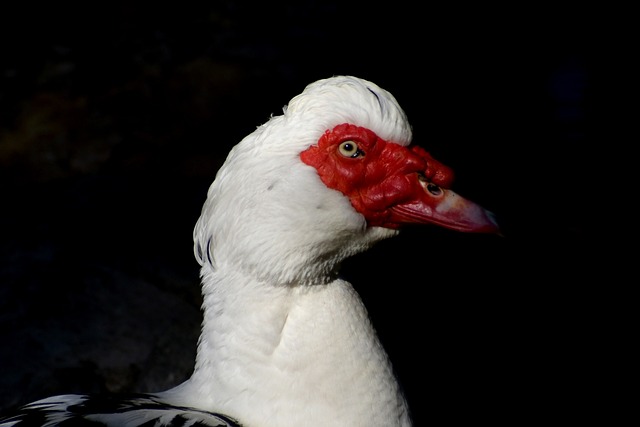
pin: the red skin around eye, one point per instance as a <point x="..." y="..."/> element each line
<point x="392" y="185"/>
<point x="382" y="176"/>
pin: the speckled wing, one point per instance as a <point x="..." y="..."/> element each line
<point x="133" y="410"/>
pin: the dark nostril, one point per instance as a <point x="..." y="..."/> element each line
<point x="434" y="189"/>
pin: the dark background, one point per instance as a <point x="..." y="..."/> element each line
<point x="115" y="118"/>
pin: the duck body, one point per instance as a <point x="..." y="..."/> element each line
<point x="285" y="341"/>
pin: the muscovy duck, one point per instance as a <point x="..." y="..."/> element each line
<point x="285" y="340"/>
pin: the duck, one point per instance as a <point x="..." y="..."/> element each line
<point x="285" y="339"/>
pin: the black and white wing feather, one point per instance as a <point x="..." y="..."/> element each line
<point x="138" y="410"/>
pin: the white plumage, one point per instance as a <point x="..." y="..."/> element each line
<point x="285" y="341"/>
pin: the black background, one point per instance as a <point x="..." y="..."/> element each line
<point x="115" y="118"/>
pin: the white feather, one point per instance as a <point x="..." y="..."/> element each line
<point x="283" y="338"/>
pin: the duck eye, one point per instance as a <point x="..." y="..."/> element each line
<point x="349" y="149"/>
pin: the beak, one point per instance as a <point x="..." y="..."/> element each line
<point x="433" y="204"/>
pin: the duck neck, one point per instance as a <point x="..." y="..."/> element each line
<point x="311" y="346"/>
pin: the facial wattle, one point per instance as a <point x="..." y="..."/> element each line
<point x="379" y="176"/>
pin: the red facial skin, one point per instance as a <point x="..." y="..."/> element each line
<point x="390" y="184"/>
